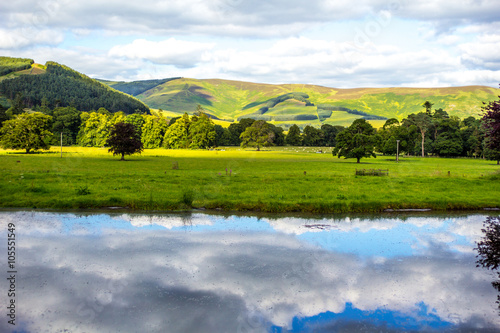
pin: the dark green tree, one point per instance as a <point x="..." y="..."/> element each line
<point x="491" y="126"/>
<point x="279" y="136"/>
<point x="3" y="115"/>
<point x="448" y="142"/>
<point x="356" y="141"/>
<point x="219" y="136"/>
<point x="428" y="106"/>
<point x="124" y="140"/>
<point x="330" y="133"/>
<point x="312" y="136"/>
<point x="235" y="129"/>
<point x="66" y="120"/>
<point x="28" y="131"/>
<point x="293" y="136"/>
<point x="257" y="135"/>
<point x="16" y="105"/>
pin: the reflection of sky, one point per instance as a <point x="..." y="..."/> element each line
<point x="202" y="273"/>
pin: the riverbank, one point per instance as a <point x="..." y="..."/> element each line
<point x="280" y="179"/>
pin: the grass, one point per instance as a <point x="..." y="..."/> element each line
<point x="272" y="180"/>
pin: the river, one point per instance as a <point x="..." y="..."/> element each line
<point x="197" y="272"/>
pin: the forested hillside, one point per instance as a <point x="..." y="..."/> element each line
<point x="9" y="65"/>
<point x="60" y="86"/>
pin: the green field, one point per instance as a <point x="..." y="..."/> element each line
<point x="281" y="179"/>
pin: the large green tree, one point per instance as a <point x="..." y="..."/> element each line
<point x="153" y="131"/>
<point x="95" y="127"/>
<point x="423" y="122"/>
<point x="293" y="136"/>
<point x="124" y="140"/>
<point x="28" y="131"/>
<point x="65" y="120"/>
<point x="137" y="120"/>
<point x="257" y="135"/>
<point x="448" y="141"/>
<point x="356" y="141"/>
<point x="312" y="136"/>
<point x="201" y="132"/>
<point x="177" y="134"/>
<point x="491" y="125"/>
<point x="330" y="133"/>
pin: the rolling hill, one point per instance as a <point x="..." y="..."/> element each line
<point x="307" y="104"/>
<point x="227" y="101"/>
<point x="58" y="85"/>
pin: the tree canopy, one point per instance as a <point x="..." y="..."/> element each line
<point x="124" y="140"/>
<point x="356" y="141"/>
<point x="257" y="135"/>
<point x="28" y="131"/>
<point x="491" y="126"/>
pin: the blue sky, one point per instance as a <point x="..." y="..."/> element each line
<point x="367" y="43"/>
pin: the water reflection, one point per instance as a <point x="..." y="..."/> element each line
<point x="204" y="273"/>
<point x="489" y="249"/>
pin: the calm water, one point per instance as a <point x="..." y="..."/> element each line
<point x="205" y="273"/>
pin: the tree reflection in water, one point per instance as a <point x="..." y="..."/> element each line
<point x="489" y="249"/>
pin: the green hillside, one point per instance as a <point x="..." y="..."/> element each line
<point x="308" y="104"/>
<point x="60" y="86"/>
<point x="230" y="101"/>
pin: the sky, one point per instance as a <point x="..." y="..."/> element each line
<point x="334" y="43"/>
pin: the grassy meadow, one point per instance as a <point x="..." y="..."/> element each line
<point x="278" y="179"/>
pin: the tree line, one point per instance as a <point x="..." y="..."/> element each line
<point x="425" y="133"/>
<point x="431" y="132"/>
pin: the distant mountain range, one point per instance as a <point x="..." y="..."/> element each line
<point x="301" y="103"/>
<point x="226" y="100"/>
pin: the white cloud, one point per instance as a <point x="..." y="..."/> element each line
<point x="482" y="53"/>
<point x="24" y="37"/>
<point x="171" y="51"/>
<point x="263" y="41"/>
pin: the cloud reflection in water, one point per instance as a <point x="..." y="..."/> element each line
<point x="203" y="273"/>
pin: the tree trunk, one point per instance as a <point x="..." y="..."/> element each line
<point x="123" y="157"/>
<point x="258" y="148"/>
<point x="423" y="139"/>
<point x="358" y="160"/>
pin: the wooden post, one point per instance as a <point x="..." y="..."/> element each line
<point x="397" y="151"/>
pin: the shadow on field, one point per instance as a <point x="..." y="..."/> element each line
<point x="32" y="153"/>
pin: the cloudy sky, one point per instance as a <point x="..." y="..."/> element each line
<point x="336" y="43"/>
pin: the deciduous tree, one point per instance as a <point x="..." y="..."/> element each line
<point x="491" y="125"/>
<point x="257" y="135"/>
<point x="177" y="134"/>
<point x="356" y="141"/>
<point x="124" y="140"/>
<point x="201" y="132"/>
<point x="293" y="136"/>
<point x="28" y="131"/>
